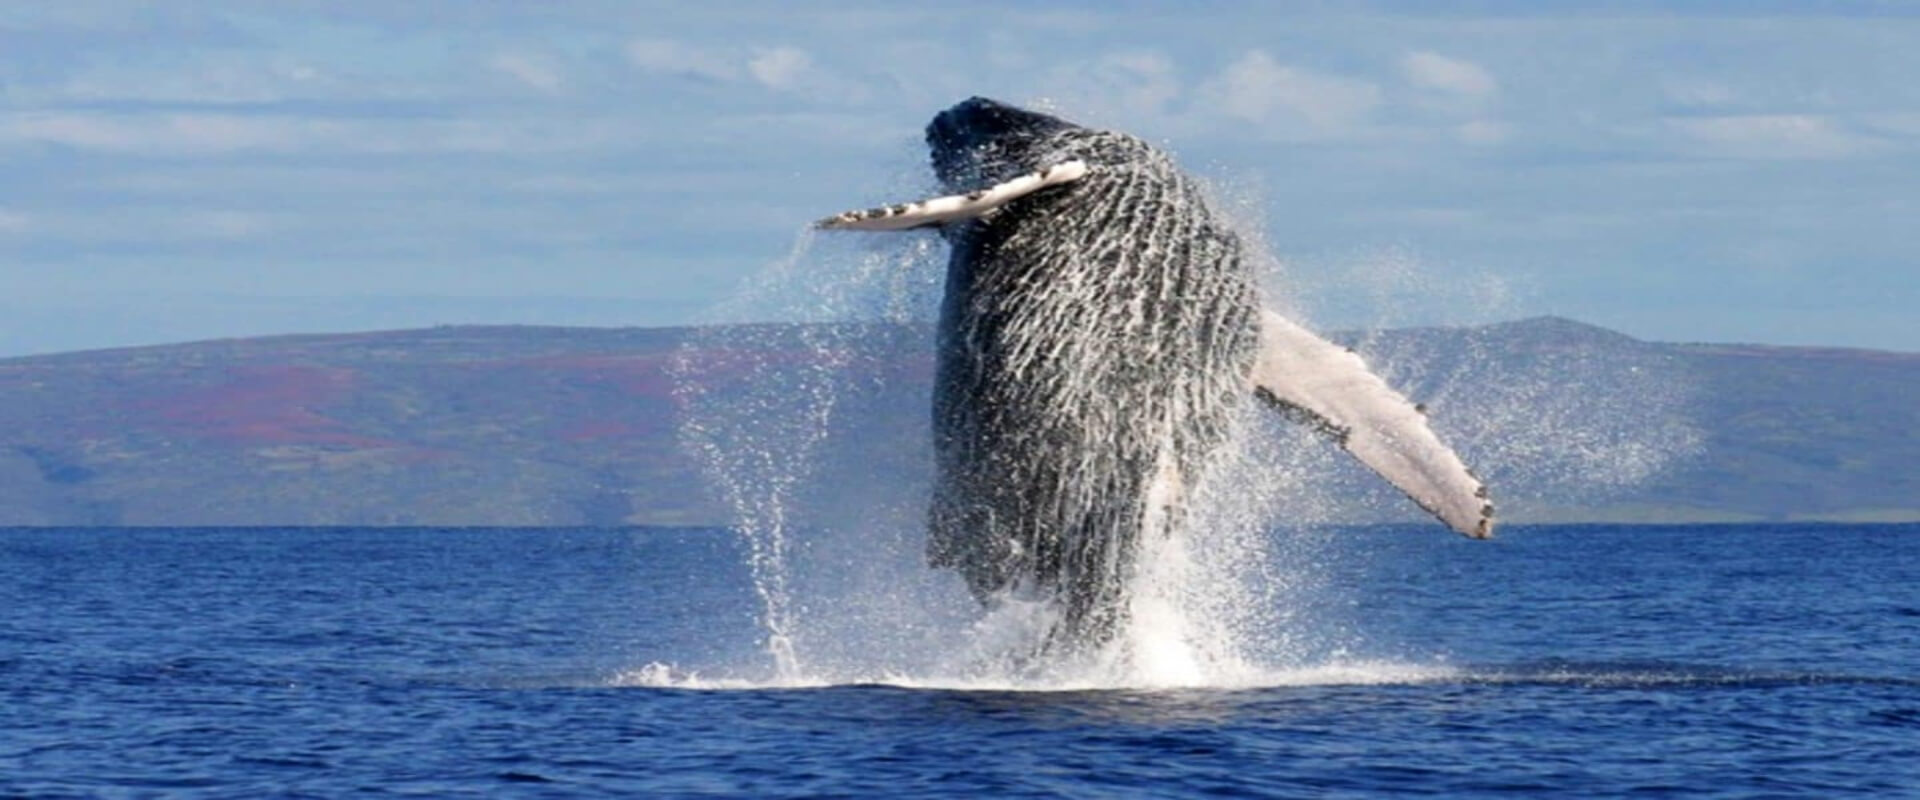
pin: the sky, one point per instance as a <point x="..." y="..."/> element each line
<point x="1708" y="171"/>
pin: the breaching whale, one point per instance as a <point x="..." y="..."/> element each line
<point x="1101" y="327"/>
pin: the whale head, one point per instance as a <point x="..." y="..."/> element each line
<point x="989" y="153"/>
<point x="981" y="142"/>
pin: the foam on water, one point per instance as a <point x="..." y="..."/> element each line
<point x="1353" y="673"/>
<point x="833" y="510"/>
<point x="1336" y="673"/>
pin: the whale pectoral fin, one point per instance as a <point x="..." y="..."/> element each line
<point x="1330" y="388"/>
<point x="938" y="210"/>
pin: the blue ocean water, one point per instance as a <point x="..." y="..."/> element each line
<point x="1722" y="661"/>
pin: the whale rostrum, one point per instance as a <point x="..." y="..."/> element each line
<point x="1102" y="327"/>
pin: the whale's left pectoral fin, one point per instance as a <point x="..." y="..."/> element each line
<point x="940" y="210"/>
<point x="1329" y="387"/>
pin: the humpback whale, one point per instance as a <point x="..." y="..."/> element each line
<point x="1101" y="327"/>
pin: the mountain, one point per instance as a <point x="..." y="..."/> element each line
<point x="466" y="425"/>
<point x="454" y="425"/>
<point x="1740" y="432"/>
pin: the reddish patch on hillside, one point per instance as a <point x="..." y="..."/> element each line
<point x="644" y="376"/>
<point x="582" y="385"/>
<point x="265" y="405"/>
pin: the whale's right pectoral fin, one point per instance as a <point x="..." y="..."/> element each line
<point x="1329" y="387"/>
<point x="938" y="210"/>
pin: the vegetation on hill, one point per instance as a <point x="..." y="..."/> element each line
<point x="583" y="426"/>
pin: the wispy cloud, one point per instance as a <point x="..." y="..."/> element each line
<point x="1698" y="93"/>
<point x="179" y="133"/>
<point x="782" y="67"/>
<point x="225" y="128"/>
<point x="1290" y="101"/>
<point x="673" y="58"/>
<point x="1430" y="70"/>
<point x="534" y="71"/>
<point x="185" y="133"/>
<point x="1137" y="84"/>
<point x="216" y="77"/>
<point x="1774" y="136"/>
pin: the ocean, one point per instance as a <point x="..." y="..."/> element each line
<point x="1563" y="661"/>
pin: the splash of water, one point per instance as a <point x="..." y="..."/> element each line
<point x="779" y="414"/>
<point x="833" y="509"/>
<point x="767" y="410"/>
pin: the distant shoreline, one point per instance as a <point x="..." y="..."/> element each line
<point x="543" y="427"/>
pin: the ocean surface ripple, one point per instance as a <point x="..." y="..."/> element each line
<point x="1579" y="661"/>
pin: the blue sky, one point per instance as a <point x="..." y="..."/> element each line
<point x="1732" y="171"/>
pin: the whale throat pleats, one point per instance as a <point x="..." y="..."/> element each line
<point x="1100" y="332"/>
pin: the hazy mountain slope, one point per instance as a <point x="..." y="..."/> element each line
<point x="580" y="426"/>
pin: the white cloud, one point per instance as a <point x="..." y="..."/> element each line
<point x="1698" y="93"/>
<point x="1775" y="136"/>
<point x="212" y="134"/>
<point x="149" y="132"/>
<point x="1135" y="89"/>
<point x="1258" y="89"/>
<point x="213" y="77"/>
<point x="1148" y="82"/>
<point x="534" y="71"/>
<point x="1429" y="70"/>
<point x="794" y="71"/>
<point x="669" y="57"/>
<point x="1140" y="83"/>
<point x="783" y="68"/>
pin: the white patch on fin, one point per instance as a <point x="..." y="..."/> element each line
<point x="1329" y="387"/>
<point x="936" y="210"/>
